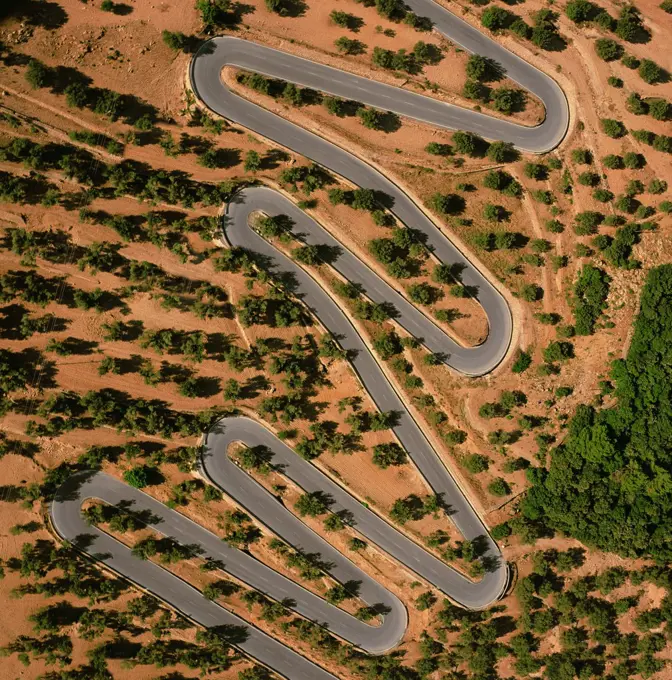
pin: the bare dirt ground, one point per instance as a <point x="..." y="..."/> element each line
<point x="126" y="54"/>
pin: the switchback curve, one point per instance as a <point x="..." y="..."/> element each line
<point x="205" y="76"/>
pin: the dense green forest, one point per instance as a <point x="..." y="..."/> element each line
<point x="609" y="482"/>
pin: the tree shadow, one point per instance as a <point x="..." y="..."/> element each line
<point x="380" y="609"/>
<point x="77" y="346"/>
<point x="134" y="108"/>
<point x="273" y="158"/>
<point x="194" y="143"/>
<point x="62" y="76"/>
<point x="389" y="122"/>
<point x="293" y="8"/>
<point x="328" y="254"/>
<point x="49" y="15"/>
<point x="121" y="9"/>
<point x="11" y="493"/>
<point x="207" y="386"/>
<point x="503" y="625"/>
<point x="347" y="517"/>
<point x="174" y="372"/>
<point x="218" y="343"/>
<point x="348" y="108"/>
<point x="144" y="515"/>
<point x="120" y="648"/>
<point x="520" y="240"/>
<point x="555" y="44"/>
<point x="63" y="614"/>
<point x="11" y="320"/>
<point x="231" y="634"/>
<point x="254" y="386"/>
<point x="154" y="476"/>
<point x="227" y="158"/>
<point x="32" y="358"/>
<point x="148" y="137"/>
<point x="128" y="365"/>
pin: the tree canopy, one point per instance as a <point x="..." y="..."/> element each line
<point x="610" y="483"/>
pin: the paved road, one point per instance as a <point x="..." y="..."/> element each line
<point x="67" y="519"/>
<point x="205" y="75"/>
<point x="269" y="511"/>
<point x="223" y="51"/>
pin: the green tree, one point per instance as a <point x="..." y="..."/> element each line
<point x="608" y="50"/>
<point x="38" y="75"/>
<point x="389" y="454"/>
<point x="499" y="487"/>
<point x="613" y="128"/>
<point x="138" y="476"/>
<point x="252" y="161"/>
<point x="650" y="72"/>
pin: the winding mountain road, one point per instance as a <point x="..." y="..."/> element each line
<point x="205" y="72"/>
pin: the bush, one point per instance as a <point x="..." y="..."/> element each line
<point x="531" y="292"/>
<point x="545" y="32"/>
<point x="507" y="100"/>
<point x="520" y="28"/>
<point x="629" y="61"/>
<point x="483" y="69"/>
<point x="580" y="10"/>
<point x="502" y="152"/>
<point x="657" y="186"/>
<point x="138" y="476"/>
<point x="371" y="118"/>
<point x="494" y="213"/>
<point x="447" y="204"/>
<point x="38" y="75"/>
<point x="536" y="171"/>
<point x="175" y="40"/>
<point x="347" y="45"/>
<point x="629" y="25"/>
<point x="582" y="156"/>
<point x="626" y="204"/>
<point x="437" y="149"/>
<point x="558" y="351"/>
<point x="589" y="179"/>
<point x="650" y="72"/>
<point x="475" y="463"/>
<point x="499" y="487"/>
<point x="613" y="128"/>
<point x="496" y="18"/>
<point x="608" y="50"/>
<point x="385" y="455"/>
<point x="663" y="143"/>
<point x="589" y="300"/>
<point x="387" y="345"/>
<point x="467" y="143"/>
<point x="660" y="109"/>
<point x="633" y="161"/>
<point x="474" y="90"/>
<point x="587" y="222"/>
<point x="522" y="362"/>
<point x="635" y="104"/>
<point x="311" y="505"/>
<point x="501" y="531"/>
<point x="603" y="195"/>
<point x="613" y="162"/>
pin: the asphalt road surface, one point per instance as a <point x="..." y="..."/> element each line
<point x="205" y="75"/>
<point x="69" y="523"/>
